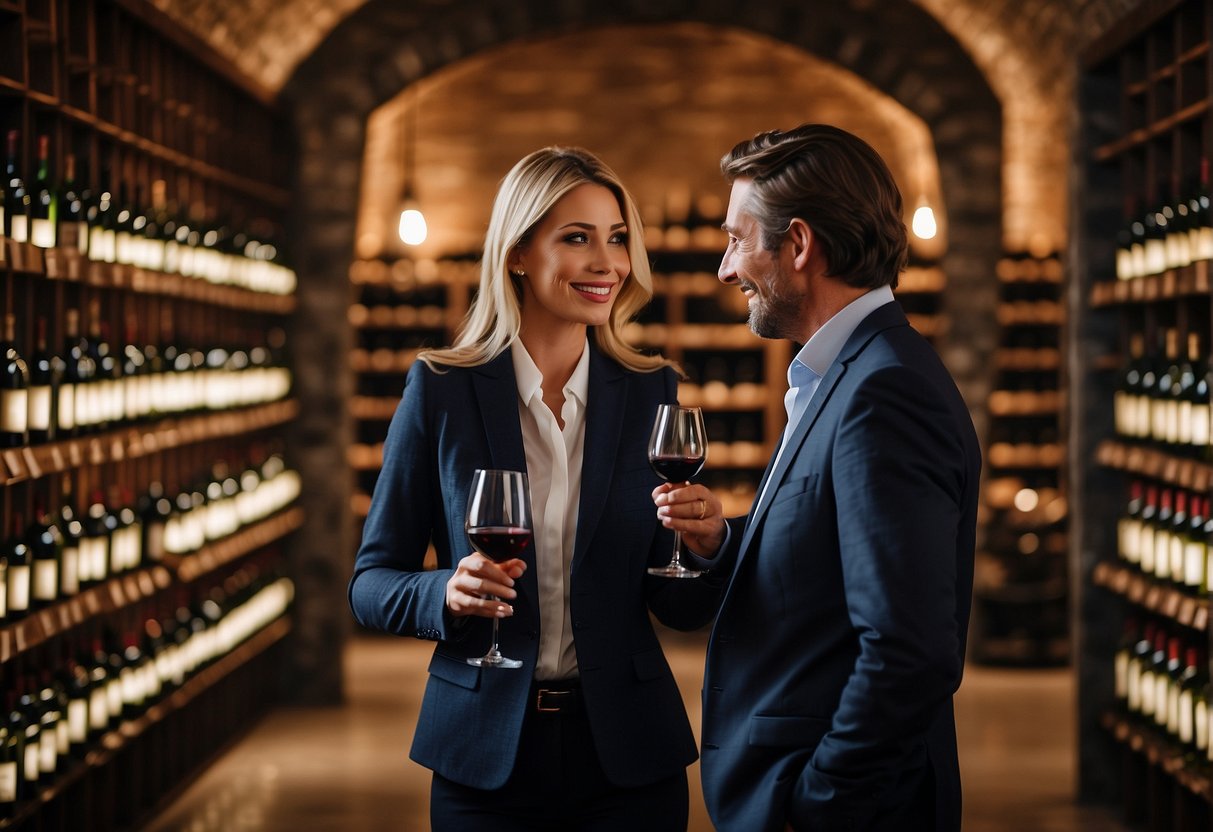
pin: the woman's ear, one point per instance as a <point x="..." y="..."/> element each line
<point x="802" y="239"/>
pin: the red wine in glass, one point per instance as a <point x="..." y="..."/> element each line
<point x="498" y="524"/>
<point x="676" y="468"/>
<point x="499" y="542"/>
<point x="677" y="450"/>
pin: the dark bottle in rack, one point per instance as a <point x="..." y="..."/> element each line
<point x="20" y="719"/>
<point x="73" y="375"/>
<point x="43" y="204"/>
<point x="1124" y="655"/>
<point x="100" y="214"/>
<point x="14" y="389"/>
<point x="20" y="568"/>
<point x="44" y="372"/>
<point x="154" y="510"/>
<point x="10" y="764"/>
<point x="1145" y="540"/>
<point x="1155" y="242"/>
<point x="46" y="547"/>
<point x="1200" y="229"/>
<point x="71" y="531"/>
<point x="96" y="543"/>
<point x="1188" y="686"/>
<point x="45" y="704"/>
<point x="1129" y="526"/>
<point x="1195" y="551"/>
<point x="16" y="195"/>
<point x="1127" y="400"/>
<point x="72" y="217"/>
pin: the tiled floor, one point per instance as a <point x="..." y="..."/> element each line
<point x="347" y="770"/>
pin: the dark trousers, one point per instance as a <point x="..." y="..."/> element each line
<point x="558" y="784"/>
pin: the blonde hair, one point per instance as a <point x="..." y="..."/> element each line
<point x="525" y="196"/>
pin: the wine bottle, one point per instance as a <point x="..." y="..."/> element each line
<point x="1169" y="687"/>
<point x="1162" y="535"/>
<point x="1194" y="546"/>
<point x="99" y="690"/>
<point x="33" y="740"/>
<point x="80" y="374"/>
<point x="79" y="689"/>
<point x="1165" y="407"/>
<point x="71" y="530"/>
<point x="1128" y="528"/>
<point x="14" y="390"/>
<point x="46" y="547"/>
<point x="124" y="233"/>
<point x="16" y="196"/>
<point x="50" y="726"/>
<point x="72" y="211"/>
<point x="19" y="568"/>
<point x="43" y="204"/>
<point x="10" y="759"/>
<point x="1124" y="654"/>
<point x="1138" y="668"/>
<point x="1179" y="252"/>
<point x="44" y="372"/>
<point x="1128" y="389"/>
<point x="1155" y="242"/>
<point x="96" y="543"/>
<point x="1177" y="538"/>
<point x="1188" y="685"/>
<point x="1201" y="228"/>
<point x="102" y="239"/>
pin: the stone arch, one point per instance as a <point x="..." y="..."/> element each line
<point x="382" y="48"/>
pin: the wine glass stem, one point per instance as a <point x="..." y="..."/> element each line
<point x="495" y="651"/>
<point x="676" y="561"/>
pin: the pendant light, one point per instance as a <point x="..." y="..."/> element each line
<point x="412" y="227"/>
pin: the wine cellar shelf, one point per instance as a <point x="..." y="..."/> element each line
<point x="401" y="306"/>
<point x="1139" y="359"/>
<point x="146" y="500"/>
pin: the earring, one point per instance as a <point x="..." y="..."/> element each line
<point x="519" y="273"/>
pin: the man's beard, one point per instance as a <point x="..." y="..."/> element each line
<point x="776" y="315"/>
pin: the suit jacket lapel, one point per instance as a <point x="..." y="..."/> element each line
<point x="497" y="402"/>
<point x="881" y="318"/>
<point x="603" y="424"/>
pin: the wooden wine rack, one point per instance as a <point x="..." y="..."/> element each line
<point x="1145" y="97"/>
<point x="139" y="104"/>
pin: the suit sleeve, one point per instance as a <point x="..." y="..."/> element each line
<point x="390" y="589"/>
<point x="683" y="605"/>
<point x="899" y="473"/>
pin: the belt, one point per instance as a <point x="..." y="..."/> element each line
<point x="557" y="696"/>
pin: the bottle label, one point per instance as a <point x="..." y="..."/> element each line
<point x="77" y="720"/>
<point x="14" y="411"/>
<point x="113" y="692"/>
<point x="48" y="749"/>
<point x="1147" y="550"/>
<point x="1201" y="728"/>
<point x="1194" y="563"/>
<point x="1161" y="700"/>
<point x="69" y="575"/>
<point x="98" y="709"/>
<point x="1172" y="720"/>
<point x="18" y="588"/>
<point x="20" y="228"/>
<point x="1177" y="557"/>
<point x="1204" y="242"/>
<point x="42" y="233"/>
<point x="1130" y="536"/>
<point x="3" y="594"/>
<point x="1200" y="426"/>
<point x="1184" y="430"/>
<point x="1122" y="674"/>
<point x="32" y="748"/>
<point x="40" y="407"/>
<point x="1185" y="726"/>
<point x="46" y="579"/>
<point x="1147" y="693"/>
<point x="8" y="783"/>
<point x="67" y="406"/>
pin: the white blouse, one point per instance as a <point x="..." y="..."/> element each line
<point x="553" y="462"/>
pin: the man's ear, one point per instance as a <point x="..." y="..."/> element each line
<point x="802" y="240"/>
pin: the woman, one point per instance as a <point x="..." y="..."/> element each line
<point x="590" y="733"/>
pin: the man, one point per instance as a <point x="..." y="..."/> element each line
<point x="827" y="694"/>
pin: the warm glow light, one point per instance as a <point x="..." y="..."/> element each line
<point x="1026" y="499"/>
<point x="413" y="230"/>
<point x="923" y="224"/>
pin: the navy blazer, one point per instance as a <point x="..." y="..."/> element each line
<point x="447" y="425"/>
<point x="841" y="637"/>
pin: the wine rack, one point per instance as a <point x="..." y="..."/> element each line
<point x="146" y="499"/>
<point x="1021" y="586"/>
<point x="401" y="306"/>
<point x="1138" y="356"/>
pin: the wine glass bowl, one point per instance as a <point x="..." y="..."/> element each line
<point x="677" y="451"/>
<point x="498" y="524"/>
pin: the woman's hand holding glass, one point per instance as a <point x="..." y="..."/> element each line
<point x="694" y="511"/>
<point x="475" y="579"/>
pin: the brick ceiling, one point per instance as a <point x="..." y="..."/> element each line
<point x="1024" y="48"/>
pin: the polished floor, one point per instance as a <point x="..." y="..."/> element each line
<point x="347" y="770"/>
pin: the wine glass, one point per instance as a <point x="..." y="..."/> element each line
<point x="498" y="523"/>
<point x="677" y="450"/>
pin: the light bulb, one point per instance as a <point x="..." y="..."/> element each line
<point x="413" y="230"/>
<point x="923" y="223"/>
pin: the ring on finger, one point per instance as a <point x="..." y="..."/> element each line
<point x="703" y="508"/>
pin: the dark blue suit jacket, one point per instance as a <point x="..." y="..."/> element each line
<point x="447" y="425"/>
<point x="841" y="637"/>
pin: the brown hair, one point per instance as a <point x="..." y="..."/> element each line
<point x="839" y="186"/>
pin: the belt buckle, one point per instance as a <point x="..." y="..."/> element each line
<point x="539" y="696"/>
